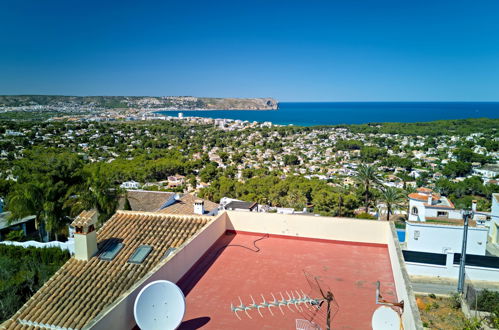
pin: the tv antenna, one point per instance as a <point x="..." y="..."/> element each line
<point x="159" y="305"/>
<point x="324" y="295"/>
<point x="311" y="306"/>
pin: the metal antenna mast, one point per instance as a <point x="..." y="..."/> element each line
<point x="460" y="283"/>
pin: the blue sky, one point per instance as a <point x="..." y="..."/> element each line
<point x="291" y="50"/>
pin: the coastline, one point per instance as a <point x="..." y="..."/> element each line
<point x="331" y="114"/>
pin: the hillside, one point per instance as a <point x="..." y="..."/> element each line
<point x="138" y="102"/>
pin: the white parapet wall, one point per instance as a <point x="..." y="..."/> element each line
<point x="340" y="229"/>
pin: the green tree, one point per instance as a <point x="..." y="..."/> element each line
<point x="393" y="198"/>
<point x="291" y="160"/>
<point x="367" y="177"/>
<point x="45" y="178"/>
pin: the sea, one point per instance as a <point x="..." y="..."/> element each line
<point x="335" y="113"/>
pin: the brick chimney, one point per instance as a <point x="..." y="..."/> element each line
<point x="85" y="236"/>
<point x="199" y="206"/>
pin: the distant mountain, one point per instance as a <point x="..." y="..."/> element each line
<point x="139" y="102"/>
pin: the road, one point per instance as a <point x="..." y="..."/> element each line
<point x="441" y="288"/>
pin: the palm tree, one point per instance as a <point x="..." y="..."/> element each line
<point x="25" y="200"/>
<point x="368" y="177"/>
<point x="393" y="198"/>
<point x="96" y="192"/>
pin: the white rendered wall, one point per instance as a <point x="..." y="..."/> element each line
<point x="433" y="213"/>
<point x="421" y="210"/>
<point x="410" y="318"/>
<point x="494" y="223"/>
<point x="439" y="238"/>
<point x="340" y="229"/>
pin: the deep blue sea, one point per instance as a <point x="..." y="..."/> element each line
<point x="333" y="113"/>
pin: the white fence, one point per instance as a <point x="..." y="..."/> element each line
<point x="69" y="245"/>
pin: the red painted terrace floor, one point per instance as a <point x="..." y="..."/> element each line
<point x="232" y="268"/>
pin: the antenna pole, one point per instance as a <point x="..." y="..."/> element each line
<point x="460" y="283"/>
<point x="329" y="298"/>
<point x="328" y="321"/>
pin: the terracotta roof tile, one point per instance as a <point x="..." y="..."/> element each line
<point x="85" y="218"/>
<point x="80" y="290"/>
<point x="147" y="201"/>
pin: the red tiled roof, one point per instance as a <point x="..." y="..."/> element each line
<point x="80" y="290"/>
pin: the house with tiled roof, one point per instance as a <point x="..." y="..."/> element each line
<point x="107" y="264"/>
<point x="148" y="201"/>
<point x="425" y="204"/>
<point x="190" y="204"/>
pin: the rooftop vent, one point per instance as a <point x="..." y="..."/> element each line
<point x="169" y="252"/>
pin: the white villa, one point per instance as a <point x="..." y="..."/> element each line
<point x="427" y="205"/>
<point x="494" y="223"/>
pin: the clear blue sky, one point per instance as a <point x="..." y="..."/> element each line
<point x="292" y="50"/>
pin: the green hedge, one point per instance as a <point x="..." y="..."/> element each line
<point x="23" y="271"/>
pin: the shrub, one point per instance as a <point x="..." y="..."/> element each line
<point x="432" y="296"/>
<point x="456" y="300"/>
<point x="365" y="215"/>
<point x="15" y="235"/>
<point x="488" y="301"/>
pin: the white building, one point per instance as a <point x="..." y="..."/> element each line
<point x="130" y="185"/>
<point x="489" y="171"/>
<point x="445" y="237"/>
<point x="494" y="223"/>
<point x="426" y="205"/>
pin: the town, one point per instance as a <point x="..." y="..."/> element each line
<point x="416" y="176"/>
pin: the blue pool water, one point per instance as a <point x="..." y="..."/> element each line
<point x="401" y="235"/>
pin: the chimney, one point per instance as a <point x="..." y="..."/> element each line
<point x="473" y="205"/>
<point x="199" y="206"/>
<point x="430" y="198"/>
<point x="85" y="236"/>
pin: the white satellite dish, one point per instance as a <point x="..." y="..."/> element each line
<point x="385" y="318"/>
<point x="160" y="305"/>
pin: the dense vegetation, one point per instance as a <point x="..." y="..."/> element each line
<point x="434" y="128"/>
<point x="22" y="272"/>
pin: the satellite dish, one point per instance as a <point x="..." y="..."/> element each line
<point x="160" y="305"/>
<point x="385" y="318"/>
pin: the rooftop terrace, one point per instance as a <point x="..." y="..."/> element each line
<point x="238" y="265"/>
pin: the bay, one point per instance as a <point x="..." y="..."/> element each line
<point x="335" y="113"/>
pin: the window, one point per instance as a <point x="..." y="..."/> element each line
<point x="414" y="210"/>
<point x="140" y="254"/>
<point x="111" y="251"/>
<point x="442" y="214"/>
